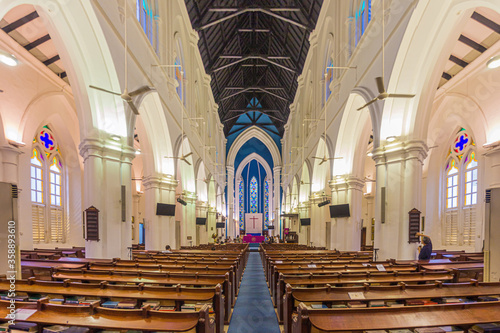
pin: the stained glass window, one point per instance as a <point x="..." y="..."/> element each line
<point x="328" y="77"/>
<point x="363" y="17"/>
<point x="266" y="204"/>
<point x="461" y="174"/>
<point x="242" y="205"/>
<point x="254" y="196"/>
<point x="178" y="77"/>
<point x="146" y="12"/>
<point x="46" y="170"/>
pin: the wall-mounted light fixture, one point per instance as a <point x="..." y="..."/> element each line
<point x="391" y="138"/>
<point x="8" y="59"/>
<point x="493" y="62"/>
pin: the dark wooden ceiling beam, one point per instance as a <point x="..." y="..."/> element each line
<point x="469" y="42"/>
<point x="51" y="60"/>
<point x="239" y="12"/>
<point x="486" y="22"/>
<point x="458" y="61"/>
<point x="37" y="42"/>
<point x="19" y="23"/>
<point x="446" y="76"/>
<point x="262" y="87"/>
<point x="258" y="57"/>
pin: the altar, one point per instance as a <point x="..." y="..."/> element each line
<point x="253" y="239"/>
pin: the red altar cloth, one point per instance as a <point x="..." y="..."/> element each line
<point x="253" y="239"/>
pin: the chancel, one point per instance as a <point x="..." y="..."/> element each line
<point x="164" y="164"/>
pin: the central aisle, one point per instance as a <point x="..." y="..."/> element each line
<point x="254" y="311"/>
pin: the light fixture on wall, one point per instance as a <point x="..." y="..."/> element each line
<point x="8" y="59"/>
<point x="391" y="138"/>
<point x="370" y="154"/>
<point x="493" y="62"/>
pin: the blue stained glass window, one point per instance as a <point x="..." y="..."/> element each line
<point x="328" y="78"/>
<point x="178" y="76"/>
<point x="363" y="17"/>
<point x="253" y="195"/>
<point x="266" y="204"/>
<point x="242" y="205"/>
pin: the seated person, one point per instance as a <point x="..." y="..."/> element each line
<point x="426" y="251"/>
<point x="167" y="249"/>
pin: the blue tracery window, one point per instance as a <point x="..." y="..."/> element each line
<point x="147" y="15"/>
<point x="178" y="77"/>
<point x="266" y="204"/>
<point x="363" y="17"/>
<point x="253" y="195"/>
<point x="242" y="204"/>
<point x="328" y="77"/>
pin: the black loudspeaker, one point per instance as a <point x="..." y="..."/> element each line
<point x="124" y="203"/>
<point x="324" y="203"/>
<point x="182" y="202"/>
<point x="270" y="227"/>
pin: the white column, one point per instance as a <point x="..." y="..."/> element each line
<point x="188" y="223"/>
<point x="9" y="158"/>
<point x="137" y="215"/>
<point x="107" y="166"/>
<point x="399" y="170"/>
<point x="201" y="211"/>
<point x="159" y="230"/>
<point x="230" y="201"/>
<point x="211" y="220"/>
<point x="276" y="199"/>
<point x="346" y="231"/>
<point x="319" y="217"/>
<point x="304" y="212"/>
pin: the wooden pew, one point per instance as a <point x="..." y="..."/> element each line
<point x="400" y="292"/>
<point x="357" y="279"/>
<point x="96" y="317"/>
<point x="141" y="292"/>
<point x="336" y="320"/>
<point x="152" y="278"/>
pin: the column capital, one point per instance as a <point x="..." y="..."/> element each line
<point x="277" y="169"/>
<point x="400" y="151"/>
<point x="230" y="170"/>
<point x="346" y="183"/>
<point x="161" y="181"/>
<point x="111" y="148"/>
<point x="316" y="198"/>
<point x="490" y="152"/>
<point x="189" y="197"/>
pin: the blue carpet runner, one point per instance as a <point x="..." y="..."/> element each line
<point x="254" y="311"/>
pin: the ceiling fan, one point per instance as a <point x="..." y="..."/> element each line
<point x="182" y="157"/>
<point x="380" y="80"/>
<point x="126" y="95"/>
<point x="384" y="94"/>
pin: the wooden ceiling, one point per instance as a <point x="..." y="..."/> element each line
<point x="254" y="51"/>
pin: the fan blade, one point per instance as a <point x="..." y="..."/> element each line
<point x="335" y="158"/>
<point x="401" y="95"/>
<point x="187" y="155"/>
<point x="141" y="90"/>
<point x="323" y="161"/>
<point x="105" y="90"/>
<point x="380" y="85"/>
<point x="318" y="158"/>
<point x="370" y="102"/>
<point x="186" y="161"/>
<point x="132" y="107"/>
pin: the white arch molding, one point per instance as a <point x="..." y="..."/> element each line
<point x="254" y="132"/>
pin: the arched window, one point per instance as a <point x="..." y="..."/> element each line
<point x="179" y="75"/>
<point x="254" y="196"/>
<point x="147" y="15"/>
<point x="328" y="78"/>
<point x="47" y="192"/>
<point x="461" y="174"/>
<point x="363" y="17"/>
<point x="266" y="203"/>
<point x="241" y="194"/>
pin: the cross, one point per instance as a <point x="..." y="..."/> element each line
<point x="46" y="140"/>
<point x="253" y="218"/>
<point x="461" y="142"/>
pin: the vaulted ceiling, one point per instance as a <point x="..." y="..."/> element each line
<point x="254" y="50"/>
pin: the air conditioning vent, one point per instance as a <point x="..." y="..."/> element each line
<point x="15" y="191"/>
